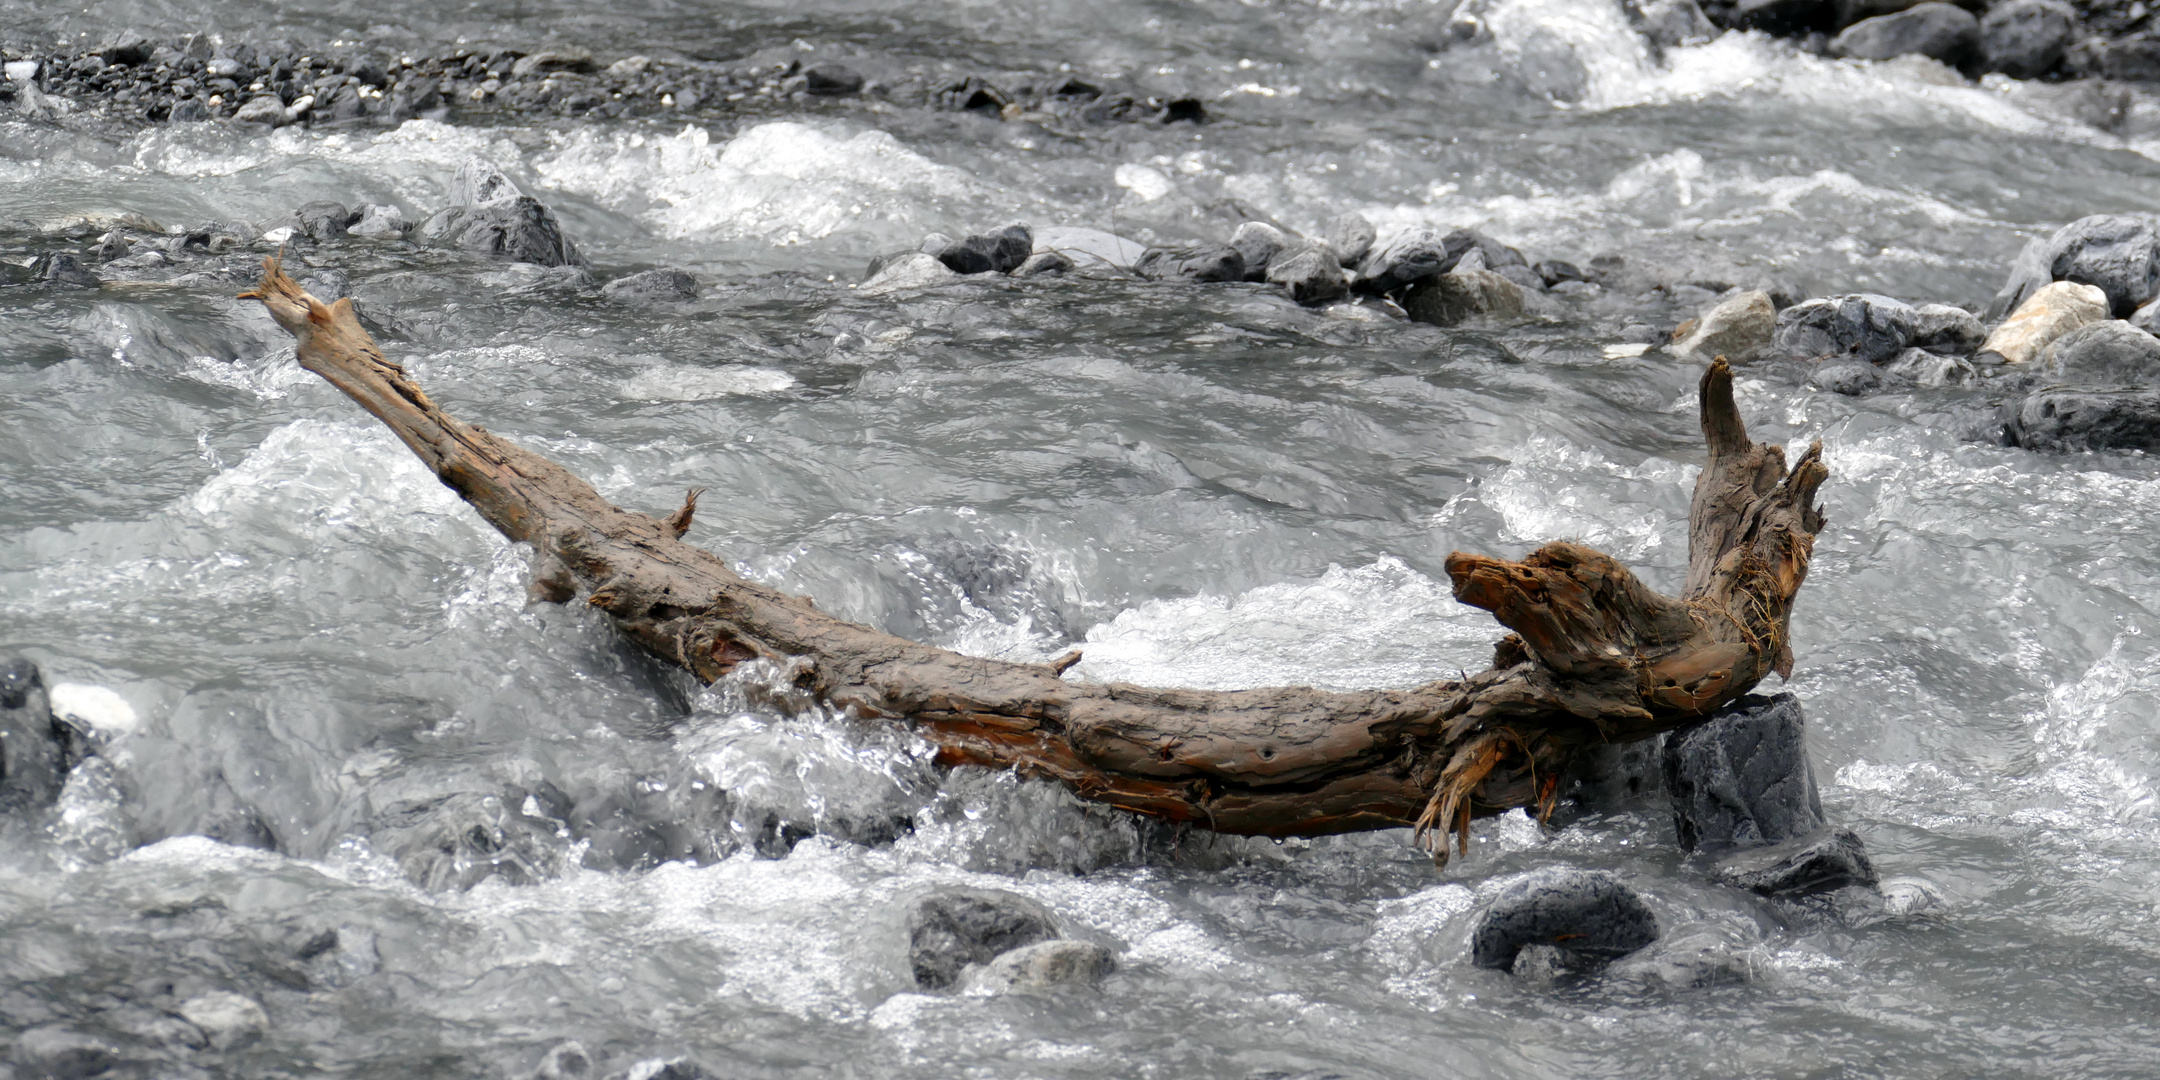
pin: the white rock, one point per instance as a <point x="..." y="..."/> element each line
<point x="914" y="270"/>
<point x="226" y="1019"/>
<point x="1738" y="329"/>
<point x="479" y="183"/>
<point x="222" y="67"/>
<point x="378" y="220"/>
<point x="2050" y="312"/>
<point x="99" y="707"/>
<point x="629" y="65"/>
<point x="21" y="70"/>
<point x="277" y="237"/>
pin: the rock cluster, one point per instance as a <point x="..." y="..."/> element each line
<point x="989" y="940"/>
<point x="2024" y="39"/>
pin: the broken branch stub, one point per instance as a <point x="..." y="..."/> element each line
<point x="1595" y="655"/>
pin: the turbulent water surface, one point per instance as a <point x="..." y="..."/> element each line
<point x="517" y="830"/>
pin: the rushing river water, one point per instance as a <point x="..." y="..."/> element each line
<point x="284" y="627"/>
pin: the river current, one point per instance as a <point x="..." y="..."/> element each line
<point x="498" y="827"/>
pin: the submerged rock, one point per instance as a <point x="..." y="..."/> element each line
<point x="1935" y="30"/>
<point x="1738" y="329"/>
<point x="1742" y="777"/>
<point x="2062" y="419"/>
<point x="999" y="252"/>
<point x="1450" y="299"/>
<point x="1043" y="262"/>
<point x="1257" y="242"/>
<point x="913" y="270"/>
<point x="33" y="745"/>
<point x="227" y="1019"/>
<point x="1590" y="916"/>
<point x="1192" y="262"/>
<point x="1045" y="965"/>
<point x="567" y="1060"/>
<point x="1818" y="862"/>
<point x="2117" y="253"/>
<point x="2025" y="39"/>
<point x="657" y="285"/>
<point x="2048" y="313"/>
<point x="832" y="80"/>
<point x="1864" y="326"/>
<point x="953" y="928"/>
<point x="1691" y="962"/>
<point x="2107" y="353"/>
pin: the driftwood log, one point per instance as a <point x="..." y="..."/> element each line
<point x="1596" y="656"/>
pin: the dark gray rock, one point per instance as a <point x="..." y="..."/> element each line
<point x="1555" y="271"/>
<point x="125" y="47"/>
<point x="2025" y="39"/>
<point x="832" y="80"/>
<point x="1406" y="257"/>
<point x="1257" y="242"/>
<point x="114" y="245"/>
<point x="61" y="268"/>
<point x="519" y="229"/>
<point x="2131" y="60"/>
<point x="1741" y="777"/>
<point x="1311" y="276"/>
<point x="1192" y="262"/>
<point x="569" y="58"/>
<point x="953" y="928"/>
<point x="33" y="746"/>
<point x="324" y="221"/>
<point x="1351" y="238"/>
<point x="2062" y="419"/>
<point x="2111" y="353"/>
<point x="1785" y="17"/>
<point x="1863" y="326"/>
<point x="1939" y="31"/>
<point x="1950" y="331"/>
<point x="652" y="286"/>
<point x="328" y="285"/>
<point x="1457" y="296"/>
<point x="999" y="252"/>
<point x="2117" y="253"/>
<point x="1591" y="916"/>
<point x="1821" y="861"/>
<point x="1613" y="776"/>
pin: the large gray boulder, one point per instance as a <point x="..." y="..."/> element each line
<point x="1938" y="31"/>
<point x="2063" y="419"/>
<point x="951" y="929"/>
<point x="2110" y="353"/>
<point x="1590" y="916"/>
<point x="2025" y="39"/>
<point x="33" y="746"/>
<point x="1742" y="777"/>
<point x="1862" y="325"/>
<point x="2117" y="253"/>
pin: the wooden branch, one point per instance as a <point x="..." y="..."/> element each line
<point x="1595" y="654"/>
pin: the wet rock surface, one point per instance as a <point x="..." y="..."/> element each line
<point x="1460" y="295"/>
<point x="1863" y="326"/>
<point x="1738" y="329"/>
<point x="2107" y="353"/>
<point x="1192" y="262"/>
<point x="1742" y="777"/>
<point x="33" y="745"/>
<point x="952" y="929"/>
<point x="2046" y="314"/>
<point x="1044" y="966"/>
<point x="1818" y="862"/>
<point x="1589" y="917"/>
<point x="2069" y="419"/>
<point x="663" y="284"/>
<point x="1935" y="30"/>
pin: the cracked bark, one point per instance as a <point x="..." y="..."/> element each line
<point x="1595" y="655"/>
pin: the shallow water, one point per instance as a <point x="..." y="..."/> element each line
<point x="522" y="831"/>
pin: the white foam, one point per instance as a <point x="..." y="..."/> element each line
<point x="782" y="182"/>
<point x="701" y="384"/>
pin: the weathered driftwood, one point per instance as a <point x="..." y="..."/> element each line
<point x="1595" y="654"/>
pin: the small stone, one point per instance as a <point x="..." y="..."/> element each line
<point x="223" y="67"/>
<point x="913" y="270"/>
<point x="952" y="928"/>
<point x="1450" y="299"/>
<point x="1184" y="111"/>
<point x="1821" y="861"/>
<point x="629" y="67"/>
<point x="1935" y="30"/>
<point x="324" y="221"/>
<point x="522" y="229"/>
<point x="1951" y="331"/>
<point x="999" y="252"/>
<point x="1742" y="777"/>
<point x="266" y="109"/>
<point x="2048" y="313"/>
<point x="2107" y="353"/>
<point x="2025" y="39"/>
<point x="378" y="221"/>
<point x="832" y="80"/>
<point x="125" y="47"/>
<point x="1539" y="966"/>
<point x="1351" y="237"/>
<point x="1045" y="965"/>
<point x="1312" y="275"/>
<point x="566" y="58"/>
<point x="1192" y="262"/>
<point x="1864" y="326"/>
<point x="113" y="245"/>
<point x="2068" y="419"/>
<point x="1589" y="915"/>
<point x="227" y="1019"/>
<point x="1557" y="272"/>
<point x="663" y="284"/>
<point x="1738" y="329"/>
<point x="1256" y="242"/>
<point x="60" y="268"/>
<point x="565" y="1061"/>
<point x="1911" y="897"/>
<point x="1930" y="369"/>
<point x="1043" y="262"/>
<point x="188" y="110"/>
